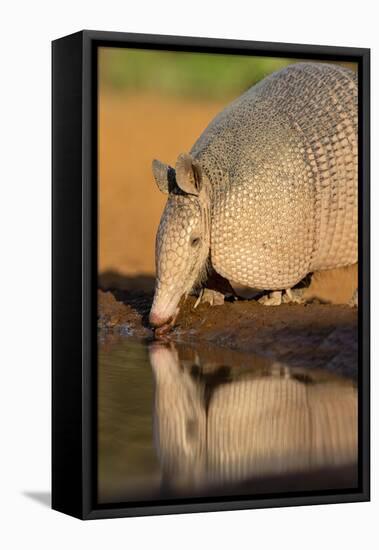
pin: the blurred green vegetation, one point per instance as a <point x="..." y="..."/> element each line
<point x="196" y="75"/>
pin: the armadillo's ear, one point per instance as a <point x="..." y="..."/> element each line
<point x="161" y="171"/>
<point x="188" y="174"/>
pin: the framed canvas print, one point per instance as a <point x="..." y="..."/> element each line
<point x="210" y="275"/>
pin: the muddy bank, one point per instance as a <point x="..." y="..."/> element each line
<point x="317" y="335"/>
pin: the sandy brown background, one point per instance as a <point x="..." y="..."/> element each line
<point x="152" y="105"/>
<point x="135" y="129"/>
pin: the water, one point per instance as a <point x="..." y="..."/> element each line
<point x="195" y="420"/>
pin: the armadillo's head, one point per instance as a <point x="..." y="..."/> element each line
<point x="183" y="237"/>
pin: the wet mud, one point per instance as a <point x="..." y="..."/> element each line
<point x="319" y="335"/>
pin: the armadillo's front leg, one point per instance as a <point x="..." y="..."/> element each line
<point x="208" y="296"/>
<point x="214" y="290"/>
<point x="212" y="297"/>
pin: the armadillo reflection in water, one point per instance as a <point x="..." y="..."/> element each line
<point x="217" y="427"/>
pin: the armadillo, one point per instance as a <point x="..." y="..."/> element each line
<point x="254" y="425"/>
<point x="268" y="192"/>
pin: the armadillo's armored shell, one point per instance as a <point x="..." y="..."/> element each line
<point x="282" y="162"/>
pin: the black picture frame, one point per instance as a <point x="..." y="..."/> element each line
<point x="74" y="271"/>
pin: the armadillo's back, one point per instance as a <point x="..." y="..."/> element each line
<point x="282" y="160"/>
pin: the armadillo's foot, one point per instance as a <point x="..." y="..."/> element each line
<point x="293" y="296"/>
<point x="353" y="302"/>
<point x="272" y="299"/>
<point x="212" y="297"/>
<point x="289" y="296"/>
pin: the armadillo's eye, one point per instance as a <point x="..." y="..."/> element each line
<point x="195" y="241"/>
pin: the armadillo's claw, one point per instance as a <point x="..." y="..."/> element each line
<point x="272" y="299"/>
<point x="293" y="296"/>
<point x="213" y="297"/>
<point x="290" y="296"/>
<point x="198" y="298"/>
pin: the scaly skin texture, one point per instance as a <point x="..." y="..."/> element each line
<point x="282" y="160"/>
<point x="181" y="248"/>
<point x="269" y="189"/>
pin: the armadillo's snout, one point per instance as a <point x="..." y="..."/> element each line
<point x="162" y="324"/>
<point x="157" y="321"/>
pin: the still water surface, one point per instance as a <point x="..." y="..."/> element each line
<point x="180" y="420"/>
